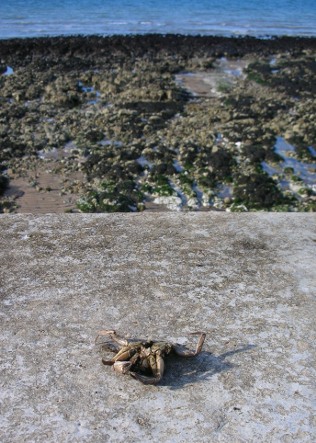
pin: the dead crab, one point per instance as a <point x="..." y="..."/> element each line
<point x="143" y="360"/>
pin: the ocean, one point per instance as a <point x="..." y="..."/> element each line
<point x="37" y="18"/>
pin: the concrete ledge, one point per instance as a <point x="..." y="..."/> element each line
<point x="248" y="280"/>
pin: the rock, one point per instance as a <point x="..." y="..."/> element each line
<point x="247" y="281"/>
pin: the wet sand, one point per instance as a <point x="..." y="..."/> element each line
<point x="43" y="191"/>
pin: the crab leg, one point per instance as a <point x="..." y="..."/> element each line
<point x="123" y="355"/>
<point x="182" y="351"/>
<point x="113" y="336"/>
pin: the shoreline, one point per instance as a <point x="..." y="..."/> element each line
<point x="165" y="34"/>
<point x="182" y="122"/>
<point x="201" y="38"/>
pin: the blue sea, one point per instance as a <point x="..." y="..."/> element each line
<point x="261" y="18"/>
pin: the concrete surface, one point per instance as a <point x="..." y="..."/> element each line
<point x="248" y="280"/>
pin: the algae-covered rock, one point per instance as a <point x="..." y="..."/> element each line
<point x="4" y="182"/>
<point x="110" y="196"/>
<point x="258" y="191"/>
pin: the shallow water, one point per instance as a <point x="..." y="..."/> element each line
<point x="212" y="83"/>
<point x="20" y="18"/>
<point x="305" y="171"/>
<point x="8" y="71"/>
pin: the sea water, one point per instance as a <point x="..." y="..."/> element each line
<point x="35" y="18"/>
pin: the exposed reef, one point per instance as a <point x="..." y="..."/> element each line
<point x="171" y="122"/>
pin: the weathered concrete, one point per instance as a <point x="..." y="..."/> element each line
<point x="246" y="279"/>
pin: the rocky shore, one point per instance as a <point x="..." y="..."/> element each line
<point x="108" y="124"/>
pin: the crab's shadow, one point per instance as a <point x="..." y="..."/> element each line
<point x="183" y="371"/>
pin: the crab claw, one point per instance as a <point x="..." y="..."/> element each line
<point x="122" y="367"/>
